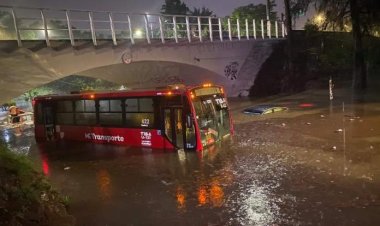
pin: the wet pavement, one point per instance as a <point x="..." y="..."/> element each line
<point x="316" y="164"/>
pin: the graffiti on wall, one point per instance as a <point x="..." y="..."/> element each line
<point x="231" y="70"/>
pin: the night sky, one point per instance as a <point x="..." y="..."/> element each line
<point x="219" y="7"/>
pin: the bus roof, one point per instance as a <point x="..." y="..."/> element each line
<point x="160" y="91"/>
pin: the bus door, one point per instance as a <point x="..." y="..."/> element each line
<point x="48" y="121"/>
<point x="174" y="126"/>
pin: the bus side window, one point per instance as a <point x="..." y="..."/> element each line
<point x="64" y="114"/>
<point x="110" y="112"/>
<point x="85" y="112"/>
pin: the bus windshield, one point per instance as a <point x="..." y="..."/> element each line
<point x="212" y="117"/>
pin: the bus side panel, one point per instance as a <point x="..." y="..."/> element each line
<point x="122" y="136"/>
<point x="39" y="132"/>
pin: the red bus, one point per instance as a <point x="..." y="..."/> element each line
<point x="174" y="117"/>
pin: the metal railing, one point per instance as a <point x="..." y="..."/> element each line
<point x="22" y="24"/>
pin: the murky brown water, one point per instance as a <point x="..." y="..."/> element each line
<point x="316" y="164"/>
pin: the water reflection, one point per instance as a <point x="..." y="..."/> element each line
<point x="202" y="195"/>
<point x="181" y="198"/>
<point x="104" y="184"/>
<point x="216" y="194"/>
<point x="45" y="165"/>
<point x="245" y="182"/>
<point x="257" y="207"/>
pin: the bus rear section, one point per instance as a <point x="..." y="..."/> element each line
<point x="167" y="119"/>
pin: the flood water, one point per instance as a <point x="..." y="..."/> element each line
<point x="316" y="164"/>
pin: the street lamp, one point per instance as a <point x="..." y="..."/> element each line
<point x="319" y="19"/>
<point x="138" y="33"/>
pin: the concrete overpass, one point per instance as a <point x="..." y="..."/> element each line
<point x="197" y="50"/>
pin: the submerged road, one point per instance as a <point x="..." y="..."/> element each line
<point x="315" y="164"/>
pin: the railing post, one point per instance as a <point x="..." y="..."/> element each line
<point x="254" y="28"/>
<point x="283" y="29"/>
<point x="93" y="34"/>
<point x="269" y="29"/>
<point x="130" y="30"/>
<point x="175" y="28"/>
<point x="199" y="29"/>
<point x="229" y="28"/>
<point x="220" y="29"/>
<point x="69" y="28"/>
<point x="262" y="29"/>
<point x="45" y="28"/>
<point x="112" y="29"/>
<point x="247" y="28"/>
<point x="188" y="29"/>
<point x="161" y="30"/>
<point x="238" y="27"/>
<point x="276" y="27"/>
<point x="16" y="28"/>
<point x="210" y="29"/>
<point x="146" y="28"/>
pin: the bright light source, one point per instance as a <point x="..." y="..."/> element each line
<point x="319" y="19"/>
<point x="207" y="85"/>
<point x="92" y="96"/>
<point x="138" y="33"/>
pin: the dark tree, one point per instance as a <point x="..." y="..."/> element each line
<point x="201" y="12"/>
<point x="289" y="31"/>
<point x="252" y="11"/>
<point x="361" y="17"/>
<point x="174" y="7"/>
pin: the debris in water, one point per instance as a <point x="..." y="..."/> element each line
<point x="166" y="183"/>
<point x="264" y="109"/>
<point x="334" y="148"/>
<point x="44" y="196"/>
<point x="283" y="124"/>
<point x="308" y="123"/>
<point x="322" y="116"/>
<point x="66" y="168"/>
<point x="371" y="147"/>
<point x="338" y="131"/>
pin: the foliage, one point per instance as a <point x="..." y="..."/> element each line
<point x="299" y="7"/>
<point x="6" y="29"/>
<point x="58" y="29"/>
<point x="5" y="106"/>
<point x="250" y="12"/>
<point x="201" y="12"/>
<point x="310" y="27"/>
<point x="256" y="12"/>
<point x="174" y="7"/>
<point x="26" y="197"/>
<point x="29" y="95"/>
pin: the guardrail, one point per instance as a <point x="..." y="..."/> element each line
<point x="22" y="24"/>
